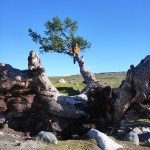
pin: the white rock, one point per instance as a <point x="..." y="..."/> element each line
<point x="47" y="136"/>
<point x="133" y="137"/>
<point x="103" y="140"/>
<point x="61" y="81"/>
<point x="144" y="129"/>
<point x="137" y="130"/>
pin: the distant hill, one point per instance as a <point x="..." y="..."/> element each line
<point x="112" y="73"/>
<point x="74" y="83"/>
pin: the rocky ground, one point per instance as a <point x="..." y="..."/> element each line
<point x="15" y="140"/>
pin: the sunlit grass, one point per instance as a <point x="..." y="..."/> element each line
<point x="73" y="145"/>
<point x="74" y="83"/>
<point x="69" y="89"/>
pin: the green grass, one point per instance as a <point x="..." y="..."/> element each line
<point x="141" y="120"/>
<point x="69" y="89"/>
<point x="73" y="145"/>
<point x="144" y="120"/>
<point x="75" y="79"/>
<point x="112" y="79"/>
<point x="74" y="83"/>
<point x="91" y="145"/>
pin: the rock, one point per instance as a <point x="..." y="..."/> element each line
<point x="133" y="137"/>
<point x="16" y="143"/>
<point x="2" y="119"/>
<point x="144" y="136"/>
<point x="147" y="143"/>
<point x="61" y="81"/>
<point x="103" y="140"/>
<point x="47" y="137"/>
<point x="144" y="129"/>
<point x="137" y="130"/>
<point x="118" y="133"/>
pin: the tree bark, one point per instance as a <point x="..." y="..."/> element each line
<point x="30" y="102"/>
<point x="134" y="90"/>
<point x="87" y="76"/>
<point x="26" y="94"/>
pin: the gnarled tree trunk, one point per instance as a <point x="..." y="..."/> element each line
<point x="87" y="76"/>
<point x="30" y="102"/>
<point x="134" y="93"/>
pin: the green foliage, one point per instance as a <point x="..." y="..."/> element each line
<point x="59" y="36"/>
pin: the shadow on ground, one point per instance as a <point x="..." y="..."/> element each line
<point x="68" y="90"/>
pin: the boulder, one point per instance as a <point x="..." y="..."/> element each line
<point x="103" y="140"/>
<point x="2" y="120"/>
<point x="47" y="137"/>
<point x="144" y="129"/>
<point x="61" y="81"/>
<point x="144" y="136"/>
<point x="133" y="137"/>
<point x="147" y="143"/>
<point x="137" y="130"/>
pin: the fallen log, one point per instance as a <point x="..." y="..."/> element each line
<point x="30" y="102"/>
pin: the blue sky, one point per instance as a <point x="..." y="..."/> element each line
<point x="119" y="31"/>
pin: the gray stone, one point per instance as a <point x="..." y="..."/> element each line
<point x="145" y="129"/>
<point x="61" y="81"/>
<point x="103" y="140"/>
<point x="119" y="134"/>
<point x="137" y="130"/>
<point x="16" y="143"/>
<point x="2" y="119"/>
<point x="144" y="136"/>
<point x="133" y="137"/>
<point x="147" y="143"/>
<point x="47" y="137"/>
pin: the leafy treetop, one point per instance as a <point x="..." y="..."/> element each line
<point x="59" y="36"/>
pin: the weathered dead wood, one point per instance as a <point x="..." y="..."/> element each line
<point x="135" y="89"/>
<point x="28" y="97"/>
<point x="24" y="94"/>
<point x="87" y="76"/>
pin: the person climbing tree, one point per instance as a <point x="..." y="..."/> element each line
<point x="76" y="50"/>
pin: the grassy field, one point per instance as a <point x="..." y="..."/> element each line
<point x="74" y="83"/>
